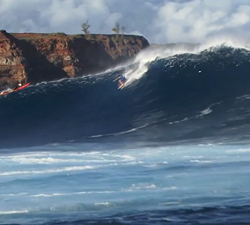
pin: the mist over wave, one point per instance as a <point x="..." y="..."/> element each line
<point x="173" y="93"/>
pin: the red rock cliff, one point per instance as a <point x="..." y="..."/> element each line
<point x="31" y="57"/>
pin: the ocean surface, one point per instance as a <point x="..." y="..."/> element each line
<point x="172" y="147"/>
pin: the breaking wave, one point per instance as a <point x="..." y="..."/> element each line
<point x="173" y="93"/>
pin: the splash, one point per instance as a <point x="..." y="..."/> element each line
<point x="139" y="67"/>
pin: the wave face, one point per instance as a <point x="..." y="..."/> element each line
<point x="171" y="95"/>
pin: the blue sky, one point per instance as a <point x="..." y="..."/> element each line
<point x="160" y="21"/>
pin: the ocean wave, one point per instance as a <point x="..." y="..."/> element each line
<point x="167" y="85"/>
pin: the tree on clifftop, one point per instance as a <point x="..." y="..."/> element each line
<point x="123" y="30"/>
<point x="116" y="29"/>
<point x="85" y="28"/>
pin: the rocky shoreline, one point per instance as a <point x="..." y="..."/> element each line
<point x="37" y="57"/>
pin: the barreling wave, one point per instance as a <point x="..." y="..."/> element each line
<point x="175" y="92"/>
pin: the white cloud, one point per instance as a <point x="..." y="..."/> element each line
<point x="159" y="21"/>
<point x="199" y="20"/>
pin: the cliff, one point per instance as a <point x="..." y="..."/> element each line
<point x="31" y="57"/>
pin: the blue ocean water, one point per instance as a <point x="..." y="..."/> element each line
<point x="172" y="147"/>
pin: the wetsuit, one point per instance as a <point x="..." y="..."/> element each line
<point x="123" y="79"/>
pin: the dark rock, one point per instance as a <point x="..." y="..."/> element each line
<point x="31" y="57"/>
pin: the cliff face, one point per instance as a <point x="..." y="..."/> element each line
<point x="34" y="58"/>
<point x="11" y="60"/>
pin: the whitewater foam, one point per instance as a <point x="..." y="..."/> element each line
<point x="154" y="52"/>
<point x="47" y="195"/>
<point x="65" y="169"/>
<point x="103" y="204"/>
<point x="13" y="212"/>
<point x="141" y="186"/>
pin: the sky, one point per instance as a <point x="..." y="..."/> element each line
<point x="160" y="21"/>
